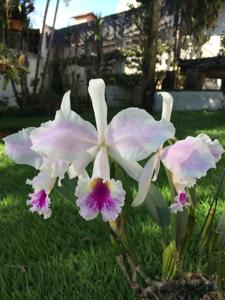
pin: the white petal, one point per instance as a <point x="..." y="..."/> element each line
<point x="167" y="105"/>
<point x="66" y="105"/>
<point x="43" y="181"/>
<point x="145" y="180"/>
<point x="188" y="160"/>
<point x="132" y="168"/>
<point x="56" y="168"/>
<point x="214" y="146"/>
<point x="96" y="90"/>
<point x="101" y="165"/>
<point x="66" y="138"/>
<point x="18" y="148"/>
<point x="78" y="167"/>
<point x="135" y="134"/>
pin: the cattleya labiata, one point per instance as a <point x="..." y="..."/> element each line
<point x="69" y="143"/>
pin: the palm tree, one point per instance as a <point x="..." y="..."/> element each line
<point x="49" y="47"/>
<point x="36" y="79"/>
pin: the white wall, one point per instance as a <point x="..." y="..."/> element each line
<point x="183" y="100"/>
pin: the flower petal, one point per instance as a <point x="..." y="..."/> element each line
<point x="18" y="148"/>
<point x="132" y="168"/>
<point x="101" y="165"/>
<point x="167" y="105"/>
<point x="66" y="138"/>
<point x="99" y="196"/>
<point x="43" y="181"/>
<point x="56" y="168"/>
<point x="78" y="166"/>
<point x="188" y="160"/>
<point x="135" y="134"/>
<point x="66" y="105"/>
<point x="96" y="90"/>
<point x="145" y="180"/>
<point x="214" y="146"/>
<point x="40" y="202"/>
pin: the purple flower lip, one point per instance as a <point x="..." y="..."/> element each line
<point x="100" y="196"/>
<point x="39" y="202"/>
<point x="181" y="202"/>
<point x="183" y="198"/>
<point x="40" y="199"/>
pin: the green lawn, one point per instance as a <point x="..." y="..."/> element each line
<point x="66" y="257"/>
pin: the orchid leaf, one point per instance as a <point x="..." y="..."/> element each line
<point x="157" y="206"/>
<point x="179" y="227"/>
<point x="170" y="261"/>
<point x="121" y="175"/>
<point x="220" y="230"/>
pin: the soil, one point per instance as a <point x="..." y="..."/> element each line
<point x="191" y="287"/>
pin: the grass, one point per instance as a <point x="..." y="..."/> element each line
<point x="67" y="258"/>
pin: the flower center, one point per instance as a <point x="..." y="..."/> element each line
<point x="39" y="198"/>
<point x="183" y="198"/>
<point x="100" y="195"/>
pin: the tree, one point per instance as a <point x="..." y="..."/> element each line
<point x="49" y="47"/>
<point x="36" y="79"/>
<point x="191" y="20"/>
<point x="151" y="16"/>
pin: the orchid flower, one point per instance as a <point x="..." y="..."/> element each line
<point x="151" y="169"/>
<point x="69" y="143"/>
<point x="189" y="160"/>
<point x="18" y="148"/>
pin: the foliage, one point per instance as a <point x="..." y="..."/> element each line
<point x="12" y="65"/>
<point x="20" y="9"/>
<point x="123" y="79"/>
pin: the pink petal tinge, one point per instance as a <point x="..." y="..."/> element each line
<point x="191" y="158"/>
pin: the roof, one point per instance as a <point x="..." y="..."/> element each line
<point x="212" y="67"/>
<point x="82" y="16"/>
<point x="60" y="37"/>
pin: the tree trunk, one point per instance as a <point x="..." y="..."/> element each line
<point x="35" y="81"/>
<point x="177" y="42"/>
<point x="49" y="47"/>
<point x="16" y="93"/>
<point x="151" y="27"/>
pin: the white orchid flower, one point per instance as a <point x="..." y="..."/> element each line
<point x="132" y="135"/>
<point x="71" y="143"/>
<point x="151" y="169"/>
<point x="189" y="160"/>
<point x="18" y="148"/>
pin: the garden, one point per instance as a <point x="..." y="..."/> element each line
<point x="103" y="201"/>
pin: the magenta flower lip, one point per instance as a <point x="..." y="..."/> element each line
<point x="100" y="196"/>
<point x="39" y="203"/>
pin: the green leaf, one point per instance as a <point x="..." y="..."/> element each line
<point x="220" y="230"/>
<point x="204" y="238"/>
<point x="157" y="206"/>
<point x="179" y="222"/>
<point x="170" y="261"/>
<point x="121" y="175"/>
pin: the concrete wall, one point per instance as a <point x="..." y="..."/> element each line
<point x="183" y="100"/>
<point x="194" y="100"/>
